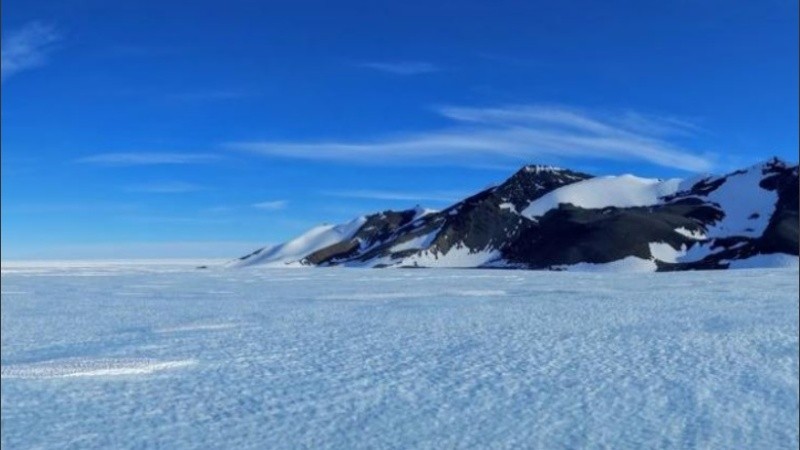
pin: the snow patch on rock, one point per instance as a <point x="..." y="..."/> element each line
<point x="747" y="206"/>
<point x="455" y="257"/>
<point x="629" y="264"/>
<point x="691" y="234"/>
<point x="666" y="253"/>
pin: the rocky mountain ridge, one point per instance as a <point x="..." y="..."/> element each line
<point x="549" y="218"/>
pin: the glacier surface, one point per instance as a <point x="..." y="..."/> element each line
<point x="166" y="356"/>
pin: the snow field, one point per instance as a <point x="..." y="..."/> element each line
<point x="346" y="358"/>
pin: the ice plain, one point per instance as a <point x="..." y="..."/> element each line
<point x="167" y="356"/>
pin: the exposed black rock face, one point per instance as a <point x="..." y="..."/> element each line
<point x="781" y="235"/>
<point x="491" y="219"/>
<point x="571" y="235"/>
<point x="478" y="223"/>
<point x="378" y="226"/>
<point x="340" y="250"/>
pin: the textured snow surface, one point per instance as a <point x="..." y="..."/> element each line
<point x="601" y="192"/>
<point x="170" y="357"/>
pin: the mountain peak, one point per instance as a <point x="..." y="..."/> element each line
<point x="776" y="163"/>
<point x="532" y="181"/>
<point x="541" y="168"/>
<point x="539" y="174"/>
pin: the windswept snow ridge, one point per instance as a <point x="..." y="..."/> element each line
<point x="292" y="253"/>
<point x="75" y="368"/>
<point x="595" y="193"/>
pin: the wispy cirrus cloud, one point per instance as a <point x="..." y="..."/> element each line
<point x="271" y="205"/>
<point x="659" y="126"/>
<point x="518" y="133"/>
<point x="147" y="158"/>
<point x="433" y="196"/>
<point x="170" y="187"/>
<point x="27" y="47"/>
<point x="402" y="67"/>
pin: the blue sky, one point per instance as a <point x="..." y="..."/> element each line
<point x="153" y="129"/>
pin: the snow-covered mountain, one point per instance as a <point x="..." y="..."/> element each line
<point x="550" y="218"/>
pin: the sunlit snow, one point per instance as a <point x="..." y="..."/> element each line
<point x="348" y="358"/>
<point x="747" y="206"/>
<point x="292" y="252"/>
<point x="620" y="191"/>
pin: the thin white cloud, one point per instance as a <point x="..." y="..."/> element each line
<point x="402" y="67"/>
<point x="659" y="126"/>
<point x="271" y="205"/>
<point x="434" y="196"/>
<point x="147" y="159"/>
<point x="521" y="134"/>
<point x="26" y="48"/>
<point x="172" y="187"/>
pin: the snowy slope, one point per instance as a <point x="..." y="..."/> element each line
<point x="747" y="206"/>
<point x="291" y="253"/>
<point x="619" y="191"/>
